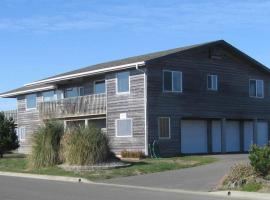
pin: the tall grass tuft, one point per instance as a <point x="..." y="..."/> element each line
<point x="46" y="145"/>
<point x="84" y="146"/>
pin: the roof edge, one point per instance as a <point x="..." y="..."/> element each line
<point x="82" y="74"/>
<point x="14" y="94"/>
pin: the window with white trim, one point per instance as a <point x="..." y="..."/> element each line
<point x="164" y="127"/>
<point x="212" y="82"/>
<point x="172" y="81"/>
<point x="21" y="133"/>
<point x="256" y="88"/>
<point x="122" y="82"/>
<point x="48" y="96"/>
<point x="31" y="101"/>
<point x="124" y="128"/>
<point x="99" y="87"/>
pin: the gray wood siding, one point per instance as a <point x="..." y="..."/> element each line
<point x="231" y="101"/>
<point x="28" y="119"/>
<point x="133" y="105"/>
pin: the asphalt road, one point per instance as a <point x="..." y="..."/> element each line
<point x="13" y="188"/>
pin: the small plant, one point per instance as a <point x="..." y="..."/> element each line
<point x="252" y="187"/>
<point x="84" y="146"/>
<point x="239" y="174"/>
<point x="46" y="145"/>
<point x="132" y="154"/>
<point x="260" y="159"/>
<point x="8" y="138"/>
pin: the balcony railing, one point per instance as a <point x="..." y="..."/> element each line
<point x="73" y="107"/>
<point x="11" y="114"/>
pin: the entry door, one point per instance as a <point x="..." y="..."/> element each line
<point x="193" y="136"/>
<point x="232" y="136"/>
<point x="262" y="133"/>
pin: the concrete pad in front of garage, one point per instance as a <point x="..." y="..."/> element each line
<point x="201" y="178"/>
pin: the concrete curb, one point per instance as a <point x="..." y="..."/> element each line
<point x="243" y="195"/>
<point x="46" y="177"/>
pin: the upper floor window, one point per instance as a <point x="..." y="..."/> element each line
<point x="164" y="127"/>
<point x="122" y="82"/>
<point x="74" y="92"/>
<point x="172" y="81"/>
<point x="48" y="96"/>
<point x="124" y="127"/>
<point x="212" y="82"/>
<point x="256" y="88"/>
<point x="99" y="87"/>
<point x="31" y="101"/>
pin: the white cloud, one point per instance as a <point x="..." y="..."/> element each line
<point x="164" y="16"/>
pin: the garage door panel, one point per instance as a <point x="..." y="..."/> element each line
<point x="262" y="133"/>
<point x="193" y="136"/>
<point x="216" y="136"/>
<point x="232" y="136"/>
<point x="248" y="135"/>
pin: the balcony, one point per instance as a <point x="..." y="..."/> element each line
<point x="73" y="107"/>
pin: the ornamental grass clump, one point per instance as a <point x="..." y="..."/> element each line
<point x="46" y="145"/>
<point x="84" y="146"/>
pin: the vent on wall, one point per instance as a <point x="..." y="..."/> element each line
<point x="215" y="53"/>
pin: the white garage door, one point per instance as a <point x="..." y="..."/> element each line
<point x="232" y="136"/>
<point x="193" y="136"/>
<point x="216" y="136"/>
<point x="248" y="135"/>
<point x="262" y="133"/>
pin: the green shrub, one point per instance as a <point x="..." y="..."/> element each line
<point x="84" y="146"/>
<point x="46" y="145"/>
<point x="260" y="159"/>
<point x="132" y="154"/>
<point x="8" y="138"/>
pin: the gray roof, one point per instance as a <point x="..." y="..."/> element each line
<point x="141" y="58"/>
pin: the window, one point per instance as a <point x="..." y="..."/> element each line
<point x="122" y="82"/>
<point x="172" y="81"/>
<point x="31" y="101"/>
<point x="164" y="127"/>
<point x="21" y="133"/>
<point x="99" y="87"/>
<point x="75" y="124"/>
<point x="71" y="92"/>
<point x="212" y="82"/>
<point x="124" y="128"/>
<point x="48" y="96"/>
<point x="256" y="88"/>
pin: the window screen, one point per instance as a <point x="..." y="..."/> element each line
<point x="31" y="101"/>
<point x="123" y="82"/>
<point x="124" y="127"/>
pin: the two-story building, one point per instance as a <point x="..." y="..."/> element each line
<point x="206" y="98"/>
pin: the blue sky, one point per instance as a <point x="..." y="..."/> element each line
<point x="40" y="38"/>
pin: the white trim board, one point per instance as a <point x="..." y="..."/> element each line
<point x="81" y="74"/>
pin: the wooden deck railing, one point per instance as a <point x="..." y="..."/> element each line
<point x="11" y="114"/>
<point x="73" y="107"/>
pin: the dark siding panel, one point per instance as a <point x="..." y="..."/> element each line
<point x="232" y="100"/>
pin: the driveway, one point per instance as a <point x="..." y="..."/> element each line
<point x="201" y="178"/>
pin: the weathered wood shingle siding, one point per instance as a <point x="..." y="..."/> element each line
<point x="133" y="105"/>
<point x="231" y="101"/>
<point x="28" y="119"/>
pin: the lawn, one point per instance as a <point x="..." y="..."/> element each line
<point x="18" y="163"/>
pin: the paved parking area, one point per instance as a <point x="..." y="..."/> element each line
<point x="201" y="178"/>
